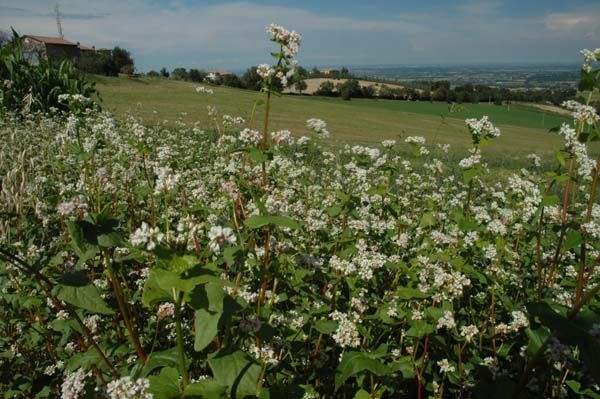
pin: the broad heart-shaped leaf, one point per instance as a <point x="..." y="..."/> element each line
<point x="165" y="385"/>
<point x="206" y="389"/>
<point x="326" y="326"/>
<point x="153" y="293"/>
<point x="283" y="391"/>
<point x="169" y="281"/>
<point x="469" y="174"/>
<point x="258" y="221"/>
<point x="156" y="360"/>
<point x="74" y="289"/>
<point x="427" y="220"/>
<point x="236" y="370"/>
<point x="419" y="328"/>
<point x="353" y="363"/>
<point x="206" y="325"/>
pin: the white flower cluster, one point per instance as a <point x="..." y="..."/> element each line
<point x="482" y="128"/>
<point x="265" y="353"/>
<point x="165" y="310"/>
<point x="219" y="236"/>
<point x="519" y="320"/>
<point x="468" y="332"/>
<point x="203" y="89"/>
<point x="73" y="384"/>
<point x="446" y="321"/>
<point x="289" y="40"/>
<point x="346" y="334"/>
<point x="126" y="388"/>
<point x="415" y="140"/>
<point x="7" y="83"/>
<point x="249" y="136"/>
<point x="471" y="161"/>
<point x="589" y="57"/>
<point x="166" y="180"/>
<point x="50" y="370"/>
<point x="318" y="126"/>
<point x="211" y="77"/>
<point x="388" y="143"/>
<point x="342" y="266"/>
<point x="229" y="120"/>
<point x="265" y="71"/>
<point x="581" y="113"/>
<point x="146" y="236"/>
<point x="585" y="165"/>
<point x="445" y="366"/>
<point x="75" y="98"/>
<point x="76" y="206"/>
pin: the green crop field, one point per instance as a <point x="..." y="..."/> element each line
<point x="524" y="129"/>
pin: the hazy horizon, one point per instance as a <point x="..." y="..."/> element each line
<point x="230" y="34"/>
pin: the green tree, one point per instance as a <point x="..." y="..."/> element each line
<point x="251" y="79"/>
<point x="300" y="86"/>
<point x="164" y="72"/>
<point x="179" y="74"/>
<point x="327" y="88"/>
<point x="121" y="58"/>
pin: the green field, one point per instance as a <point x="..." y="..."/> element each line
<point x="524" y="129"/>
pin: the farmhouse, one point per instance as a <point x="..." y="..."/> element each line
<point x="54" y="48"/>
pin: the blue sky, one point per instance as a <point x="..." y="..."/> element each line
<point x="229" y="34"/>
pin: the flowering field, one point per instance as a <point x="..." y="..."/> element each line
<point x="222" y="262"/>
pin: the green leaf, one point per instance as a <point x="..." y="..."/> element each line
<point x="427" y="220"/>
<point x="420" y="328"/>
<point x="334" y="210"/>
<point x="550" y="200"/>
<point x="73" y="291"/>
<point x="166" y="384"/>
<point x="470" y="174"/>
<point x="410" y="293"/>
<point x="258" y="221"/>
<point x="237" y="371"/>
<point x="153" y="293"/>
<point x="573" y="240"/>
<point x="166" y="358"/>
<point x="206" y="389"/>
<point x="206" y="325"/>
<point x="326" y="326"/>
<point x="353" y="363"/>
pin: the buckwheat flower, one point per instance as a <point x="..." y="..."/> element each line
<point x="91" y="322"/>
<point x="265" y="353"/>
<point x="219" y="236"/>
<point x="415" y="140"/>
<point x="50" y="370"/>
<point x="146" y="236"/>
<point x="7" y="83"/>
<point x="265" y="71"/>
<point x="166" y="180"/>
<point x="446" y="321"/>
<point x="290" y="40"/>
<point x="318" y="126"/>
<point x="388" y="143"/>
<point x="581" y="113"/>
<point x="468" y="332"/>
<point x="73" y="384"/>
<point x="250" y="136"/>
<point x="62" y="315"/>
<point x="127" y="388"/>
<point x="537" y="162"/>
<point x="346" y="334"/>
<point x="203" y="89"/>
<point x="445" y="366"/>
<point x="482" y="129"/>
<point x="165" y="310"/>
<point x="589" y="58"/>
<point x="471" y="161"/>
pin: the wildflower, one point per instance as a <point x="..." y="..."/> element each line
<point x="127" y="388"/>
<point x="289" y="40"/>
<point x="166" y="180"/>
<point x="318" y="126"/>
<point x="73" y="384"/>
<point x="446" y="321"/>
<point x="265" y="71"/>
<point x="415" y="140"/>
<point x="473" y="160"/>
<point x="468" y="332"/>
<point x="482" y="129"/>
<point x="202" y="89"/>
<point x="445" y="366"/>
<point x="265" y="353"/>
<point x="219" y="236"/>
<point x="146" y="236"/>
<point x="581" y="113"/>
<point x="346" y="334"/>
<point x="589" y="57"/>
<point x="165" y="310"/>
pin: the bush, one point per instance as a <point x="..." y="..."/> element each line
<point x="28" y="88"/>
<point x="327" y="88"/>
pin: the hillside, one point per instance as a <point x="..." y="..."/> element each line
<point x="524" y="129"/>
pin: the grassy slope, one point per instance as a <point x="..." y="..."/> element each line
<point x="524" y="129"/>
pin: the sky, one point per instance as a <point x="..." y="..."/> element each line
<point x="230" y="34"/>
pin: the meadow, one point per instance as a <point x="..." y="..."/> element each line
<point x="359" y="121"/>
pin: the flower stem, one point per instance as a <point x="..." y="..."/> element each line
<point x="180" y="346"/>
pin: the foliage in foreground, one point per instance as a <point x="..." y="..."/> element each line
<point x="140" y="262"/>
<point x="26" y="87"/>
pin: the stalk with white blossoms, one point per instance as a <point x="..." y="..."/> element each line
<point x="220" y="236"/>
<point x="318" y="126"/>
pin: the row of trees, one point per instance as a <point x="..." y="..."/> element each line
<point x="118" y="60"/>
<point x="249" y="80"/>
<point x="441" y="91"/>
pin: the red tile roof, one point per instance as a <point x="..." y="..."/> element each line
<point x="50" y="40"/>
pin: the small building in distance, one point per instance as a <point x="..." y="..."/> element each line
<point x="51" y="48"/>
<point x="37" y="47"/>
